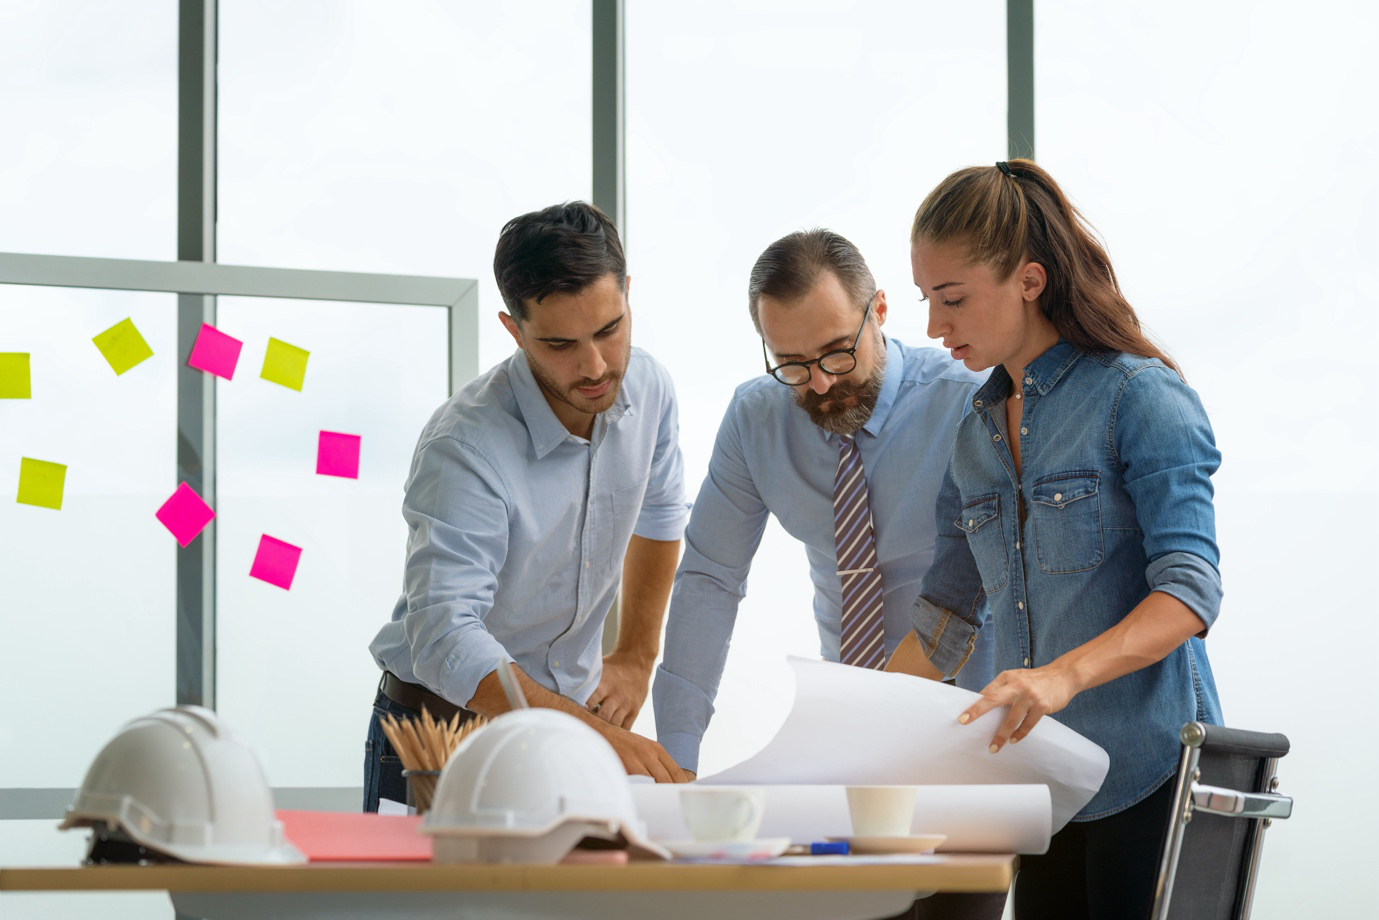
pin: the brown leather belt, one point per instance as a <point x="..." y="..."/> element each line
<point x="417" y="697"/>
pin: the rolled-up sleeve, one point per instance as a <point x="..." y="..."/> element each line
<point x="664" y="511"/>
<point x="456" y="509"/>
<point x="1165" y="444"/>
<point x="724" y="532"/>
<point x="951" y="606"/>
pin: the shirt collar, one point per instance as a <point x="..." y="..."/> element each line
<point x="890" y="385"/>
<point x="1042" y="373"/>
<point x="545" y="430"/>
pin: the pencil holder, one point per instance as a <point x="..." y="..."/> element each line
<point x="421" y="786"/>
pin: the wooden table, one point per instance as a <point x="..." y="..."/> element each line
<point x="428" y="891"/>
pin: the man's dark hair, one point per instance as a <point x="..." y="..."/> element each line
<point x="560" y="249"/>
<point x="790" y="267"/>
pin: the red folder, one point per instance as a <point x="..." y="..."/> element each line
<point x="334" y="836"/>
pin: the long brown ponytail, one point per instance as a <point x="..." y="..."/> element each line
<point x="1014" y="211"/>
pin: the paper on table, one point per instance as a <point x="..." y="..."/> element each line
<point x="860" y="726"/>
<point x="977" y="819"/>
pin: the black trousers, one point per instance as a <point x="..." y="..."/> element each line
<point x="1098" y="870"/>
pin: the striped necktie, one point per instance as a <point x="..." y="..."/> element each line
<point x="863" y="638"/>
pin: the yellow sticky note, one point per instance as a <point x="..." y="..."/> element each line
<point x="15" y="382"/>
<point x="285" y="364"/>
<point x="41" y="483"/>
<point x="123" y="346"/>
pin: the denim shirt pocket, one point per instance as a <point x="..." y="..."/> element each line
<point x="1066" y="509"/>
<point x="981" y="521"/>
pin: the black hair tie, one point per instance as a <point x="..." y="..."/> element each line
<point x="1004" y="167"/>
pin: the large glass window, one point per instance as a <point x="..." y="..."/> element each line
<point x="1222" y="151"/>
<point x="294" y="671"/>
<point x="87" y="604"/>
<point x="88" y="98"/>
<point x="398" y="137"/>
<point x="746" y="121"/>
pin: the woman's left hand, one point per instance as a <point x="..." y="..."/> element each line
<point x="1030" y="694"/>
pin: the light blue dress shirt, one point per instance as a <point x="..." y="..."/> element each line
<point x="771" y="459"/>
<point x="518" y="530"/>
<point x="1113" y="500"/>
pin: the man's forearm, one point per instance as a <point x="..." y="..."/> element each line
<point x="648" y="574"/>
<point x="489" y="699"/>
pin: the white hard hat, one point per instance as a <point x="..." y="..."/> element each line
<point x="526" y="788"/>
<point x="178" y="782"/>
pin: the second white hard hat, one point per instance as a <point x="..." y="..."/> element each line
<point x="528" y="787"/>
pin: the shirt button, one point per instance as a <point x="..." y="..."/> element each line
<point x="1026" y="662"/>
<point x="1020" y="604"/>
<point x="1028" y="381"/>
<point x="977" y="403"/>
<point x="556" y="662"/>
<point x="1024" y="431"/>
<point x="996" y="437"/>
<point x="1017" y="544"/>
<point x="970" y="522"/>
<point x="1058" y="496"/>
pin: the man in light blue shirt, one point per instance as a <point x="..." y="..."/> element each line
<point x="813" y="300"/>
<point x="830" y="373"/>
<point x="535" y="492"/>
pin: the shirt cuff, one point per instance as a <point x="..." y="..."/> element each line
<point x="682" y="715"/>
<point x="662" y="522"/>
<point x="947" y="639"/>
<point x="1192" y="580"/>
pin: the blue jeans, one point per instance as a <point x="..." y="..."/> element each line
<point x="382" y="767"/>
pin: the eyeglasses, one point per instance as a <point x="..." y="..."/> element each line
<point x="837" y="363"/>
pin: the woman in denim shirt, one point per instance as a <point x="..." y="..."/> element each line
<point x="1078" y="504"/>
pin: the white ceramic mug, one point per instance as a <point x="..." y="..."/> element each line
<point x="881" y="811"/>
<point x="716" y="814"/>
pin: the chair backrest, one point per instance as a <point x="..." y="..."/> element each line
<point x="1224" y="800"/>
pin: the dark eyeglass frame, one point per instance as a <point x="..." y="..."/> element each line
<point x="825" y="361"/>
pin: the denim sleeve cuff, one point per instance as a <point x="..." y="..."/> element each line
<point x="682" y="715"/>
<point x="1191" y="579"/>
<point x="947" y="639"/>
<point x="662" y="522"/>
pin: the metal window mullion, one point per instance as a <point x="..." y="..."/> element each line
<point x="1020" y="78"/>
<point x="196" y="205"/>
<point x="608" y="115"/>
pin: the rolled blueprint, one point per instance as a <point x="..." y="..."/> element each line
<point x="857" y="726"/>
<point x="977" y="819"/>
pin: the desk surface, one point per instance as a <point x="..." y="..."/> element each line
<point x="957" y="872"/>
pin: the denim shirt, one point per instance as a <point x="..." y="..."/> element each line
<point x="1114" y="501"/>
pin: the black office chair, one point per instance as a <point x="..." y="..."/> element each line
<point x="1225" y="798"/>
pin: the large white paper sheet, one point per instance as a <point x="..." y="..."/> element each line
<point x="977" y="819"/>
<point x="859" y="726"/>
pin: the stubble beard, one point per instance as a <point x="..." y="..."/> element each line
<point x="569" y="393"/>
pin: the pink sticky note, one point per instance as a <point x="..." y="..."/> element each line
<point x="275" y="562"/>
<point x="185" y="514"/>
<point x="215" y="352"/>
<point x="338" y="455"/>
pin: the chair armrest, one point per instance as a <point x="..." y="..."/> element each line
<point x="1214" y="800"/>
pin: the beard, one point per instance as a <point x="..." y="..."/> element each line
<point x="568" y="393"/>
<point x="831" y="411"/>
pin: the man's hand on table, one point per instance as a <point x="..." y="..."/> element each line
<point x="642" y="756"/>
<point x="622" y="689"/>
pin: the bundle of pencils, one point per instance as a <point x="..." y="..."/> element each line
<point x="427" y="743"/>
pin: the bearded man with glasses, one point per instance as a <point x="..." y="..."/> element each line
<point x="846" y="441"/>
